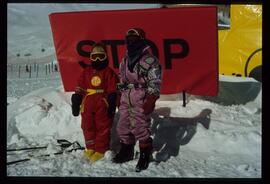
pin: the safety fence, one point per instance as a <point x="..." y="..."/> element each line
<point x="35" y="70"/>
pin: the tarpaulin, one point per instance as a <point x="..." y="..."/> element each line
<point x="184" y="39"/>
<point x="240" y="47"/>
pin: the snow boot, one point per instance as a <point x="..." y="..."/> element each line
<point x="125" y="154"/>
<point x="96" y="156"/>
<point x="145" y="155"/>
<point x="88" y="153"/>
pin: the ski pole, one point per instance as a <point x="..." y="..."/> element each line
<point x="76" y="145"/>
<point x="27" y="159"/>
<point x="32" y="148"/>
<point x="62" y="142"/>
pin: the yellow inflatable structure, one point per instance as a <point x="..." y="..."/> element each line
<point x="240" y="46"/>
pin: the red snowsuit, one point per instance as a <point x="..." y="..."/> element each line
<point x="95" y="85"/>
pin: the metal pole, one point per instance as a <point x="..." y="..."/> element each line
<point x="30" y="71"/>
<point x="19" y="71"/>
<point x="184" y="98"/>
<point x="37" y="72"/>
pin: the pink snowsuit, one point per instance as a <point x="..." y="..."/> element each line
<point x="133" y="123"/>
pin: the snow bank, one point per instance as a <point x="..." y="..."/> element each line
<point x="41" y="113"/>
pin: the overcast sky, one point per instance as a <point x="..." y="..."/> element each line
<point x="37" y="13"/>
<point x="28" y="24"/>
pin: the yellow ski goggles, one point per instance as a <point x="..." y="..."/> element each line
<point x="101" y="56"/>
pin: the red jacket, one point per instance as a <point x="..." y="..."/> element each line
<point x="105" y="79"/>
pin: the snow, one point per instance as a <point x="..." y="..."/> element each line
<point x="203" y="139"/>
<point x="212" y="137"/>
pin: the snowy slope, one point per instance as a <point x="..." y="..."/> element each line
<point x="29" y="29"/>
<point x="204" y="139"/>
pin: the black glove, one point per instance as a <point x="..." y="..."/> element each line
<point x="76" y="100"/>
<point x="112" y="104"/>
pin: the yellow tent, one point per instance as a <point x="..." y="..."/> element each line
<point x="240" y="47"/>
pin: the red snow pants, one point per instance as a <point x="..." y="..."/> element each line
<point x="96" y="124"/>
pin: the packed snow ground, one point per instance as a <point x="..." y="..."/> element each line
<point x="210" y="137"/>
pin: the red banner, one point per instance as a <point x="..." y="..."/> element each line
<point x="184" y="39"/>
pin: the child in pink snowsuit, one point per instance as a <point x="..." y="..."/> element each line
<point x="140" y="79"/>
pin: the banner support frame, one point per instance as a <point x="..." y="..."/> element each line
<point x="184" y="98"/>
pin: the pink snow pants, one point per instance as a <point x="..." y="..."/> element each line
<point x="133" y="124"/>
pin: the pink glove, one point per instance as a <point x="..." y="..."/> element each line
<point x="149" y="104"/>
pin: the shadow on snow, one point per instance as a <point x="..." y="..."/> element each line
<point x="169" y="133"/>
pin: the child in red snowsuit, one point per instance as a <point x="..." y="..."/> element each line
<point x="95" y="98"/>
